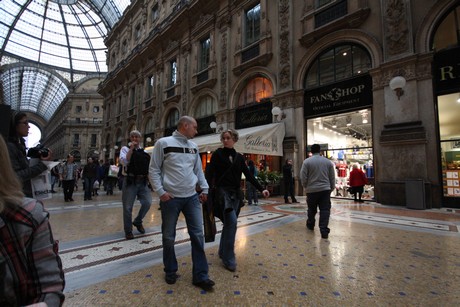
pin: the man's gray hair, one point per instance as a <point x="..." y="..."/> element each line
<point x="135" y="132"/>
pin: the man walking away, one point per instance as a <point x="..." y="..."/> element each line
<point x="318" y="178"/>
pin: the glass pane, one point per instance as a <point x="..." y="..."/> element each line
<point x="361" y="61"/>
<point x="343" y="62"/>
<point x="326" y="68"/>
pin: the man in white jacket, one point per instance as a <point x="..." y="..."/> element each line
<point x="175" y="171"/>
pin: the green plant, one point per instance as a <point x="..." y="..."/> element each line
<point x="269" y="177"/>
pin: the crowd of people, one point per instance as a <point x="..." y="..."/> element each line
<point x="174" y="171"/>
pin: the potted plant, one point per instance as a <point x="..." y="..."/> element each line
<point x="270" y="180"/>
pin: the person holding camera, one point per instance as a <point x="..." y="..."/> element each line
<point x="19" y="129"/>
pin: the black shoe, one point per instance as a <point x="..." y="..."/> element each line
<point x="310" y="227"/>
<point x="295" y="201"/>
<point x="129" y="236"/>
<point x="70" y="199"/>
<point x="139" y="227"/>
<point x="287" y="202"/>
<point x="171" y="279"/>
<point x="231" y="268"/>
<point x="206" y="285"/>
<point x="324" y="235"/>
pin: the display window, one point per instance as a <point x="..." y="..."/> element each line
<point x="449" y="130"/>
<point x="346" y="139"/>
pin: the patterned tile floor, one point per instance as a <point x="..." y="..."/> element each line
<point x="375" y="256"/>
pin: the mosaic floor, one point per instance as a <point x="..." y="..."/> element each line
<point x="375" y="256"/>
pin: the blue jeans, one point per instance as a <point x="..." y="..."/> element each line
<point x="323" y="201"/>
<point x="191" y="208"/>
<point x="227" y="239"/>
<point x="130" y="190"/>
<point x="88" y="184"/>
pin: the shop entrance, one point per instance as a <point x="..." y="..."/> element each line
<point x="346" y="139"/>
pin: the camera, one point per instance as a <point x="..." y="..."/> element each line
<point x="38" y="151"/>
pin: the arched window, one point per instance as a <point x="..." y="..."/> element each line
<point x="447" y="32"/>
<point x="256" y="89"/>
<point x="171" y="122"/>
<point x="206" y="107"/>
<point x="336" y="64"/>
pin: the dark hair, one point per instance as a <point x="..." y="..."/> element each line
<point x="15" y="117"/>
<point x="315" y="148"/>
<point x="250" y="163"/>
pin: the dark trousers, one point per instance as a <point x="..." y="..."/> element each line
<point x="68" y="186"/>
<point x="289" y="190"/>
<point x="321" y="200"/>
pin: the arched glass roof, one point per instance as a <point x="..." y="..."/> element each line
<point x="64" y="34"/>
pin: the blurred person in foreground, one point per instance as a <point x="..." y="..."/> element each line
<point x="30" y="267"/>
<point x="19" y="129"/>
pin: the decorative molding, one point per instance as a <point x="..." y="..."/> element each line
<point x="396" y="27"/>
<point x="284" y="45"/>
<point x="223" y="70"/>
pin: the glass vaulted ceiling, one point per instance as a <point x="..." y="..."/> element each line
<point x="64" y="35"/>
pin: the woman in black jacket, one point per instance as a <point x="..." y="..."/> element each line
<point x="224" y="175"/>
<point x="19" y="129"/>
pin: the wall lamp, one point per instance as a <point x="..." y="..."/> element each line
<point x="397" y="84"/>
<point x="278" y="113"/>
<point x="213" y="125"/>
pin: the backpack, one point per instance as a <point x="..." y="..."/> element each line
<point x="139" y="163"/>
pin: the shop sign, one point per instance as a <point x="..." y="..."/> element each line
<point x="203" y="124"/>
<point x="447" y="71"/>
<point x="346" y="95"/>
<point x="255" y="115"/>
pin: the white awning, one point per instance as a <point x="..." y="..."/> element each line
<point x="260" y="140"/>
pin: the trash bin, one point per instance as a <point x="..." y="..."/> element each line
<point x="415" y="194"/>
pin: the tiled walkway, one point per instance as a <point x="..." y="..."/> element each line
<point x="375" y="255"/>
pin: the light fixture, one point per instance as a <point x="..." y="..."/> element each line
<point x="115" y="147"/>
<point x="213" y="125"/>
<point x="278" y="113"/>
<point x="334" y="123"/>
<point x="458" y="99"/>
<point x="364" y="115"/>
<point x="397" y="84"/>
<point x="348" y="120"/>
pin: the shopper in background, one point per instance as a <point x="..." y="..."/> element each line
<point x="19" y="129"/>
<point x="68" y="174"/>
<point x="250" y="188"/>
<point x="288" y="182"/>
<point x="175" y="171"/>
<point x="89" y="176"/>
<point x="224" y="174"/>
<point x="357" y="182"/>
<point x="318" y="178"/>
<point x="31" y="269"/>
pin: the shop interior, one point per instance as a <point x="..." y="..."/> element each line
<point x="347" y="140"/>
<point x="449" y="130"/>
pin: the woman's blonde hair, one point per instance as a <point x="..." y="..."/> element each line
<point x="234" y="134"/>
<point x="10" y="186"/>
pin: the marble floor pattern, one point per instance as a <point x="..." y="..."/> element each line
<point x="375" y="256"/>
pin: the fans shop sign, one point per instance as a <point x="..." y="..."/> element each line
<point x="346" y="95"/>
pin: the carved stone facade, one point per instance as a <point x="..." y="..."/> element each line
<point x="290" y="36"/>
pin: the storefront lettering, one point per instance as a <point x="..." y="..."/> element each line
<point x="449" y="72"/>
<point x="337" y="93"/>
<point x="257" y="142"/>
<point x="253" y="117"/>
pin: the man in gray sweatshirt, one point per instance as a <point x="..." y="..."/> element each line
<point x="318" y="178"/>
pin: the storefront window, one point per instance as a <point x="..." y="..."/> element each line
<point x="347" y="140"/>
<point x="449" y="130"/>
